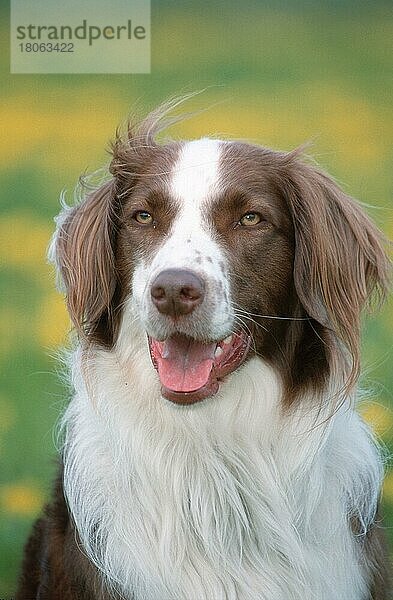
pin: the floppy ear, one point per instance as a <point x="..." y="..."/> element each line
<point x="83" y="250"/>
<point x="339" y="258"/>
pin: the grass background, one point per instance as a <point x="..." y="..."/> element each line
<point x="282" y="73"/>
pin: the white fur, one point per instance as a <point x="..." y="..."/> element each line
<point x="227" y="499"/>
<point x="232" y="498"/>
<point x="191" y="245"/>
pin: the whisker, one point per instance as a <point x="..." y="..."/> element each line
<point x="237" y="308"/>
<point x="279" y="347"/>
<point x="245" y="327"/>
<point x="244" y="316"/>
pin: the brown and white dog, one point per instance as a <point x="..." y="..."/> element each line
<point x="211" y="447"/>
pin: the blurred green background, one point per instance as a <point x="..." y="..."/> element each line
<point x="282" y="73"/>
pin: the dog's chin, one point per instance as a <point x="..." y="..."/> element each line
<point x="187" y="398"/>
<point x="191" y="370"/>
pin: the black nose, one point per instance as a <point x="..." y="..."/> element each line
<point x="177" y="292"/>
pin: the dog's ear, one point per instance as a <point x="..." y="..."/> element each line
<point x="83" y="251"/>
<point x="339" y="257"/>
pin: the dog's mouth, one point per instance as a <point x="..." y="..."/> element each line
<point x="190" y="370"/>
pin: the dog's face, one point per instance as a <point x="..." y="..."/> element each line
<point x="221" y="250"/>
<point x="204" y="247"/>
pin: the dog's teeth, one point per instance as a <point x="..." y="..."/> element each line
<point x="228" y="339"/>
<point x="218" y="352"/>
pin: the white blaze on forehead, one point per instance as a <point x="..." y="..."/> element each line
<point x="190" y="244"/>
<point x="195" y="177"/>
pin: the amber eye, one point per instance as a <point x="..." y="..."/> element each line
<point x="250" y="219"/>
<point x="143" y="217"/>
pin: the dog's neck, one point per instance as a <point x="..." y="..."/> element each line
<point x="230" y="498"/>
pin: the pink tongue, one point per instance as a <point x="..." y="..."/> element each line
<point x="185" y="365"/>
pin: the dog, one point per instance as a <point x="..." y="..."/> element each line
<point x="211" y="448"/>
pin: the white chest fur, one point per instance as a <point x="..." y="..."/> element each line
<point x="226" y="499"/>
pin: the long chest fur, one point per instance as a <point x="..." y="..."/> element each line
<point x="227" y="500"/>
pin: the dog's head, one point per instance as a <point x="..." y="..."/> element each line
<point x="221" y="250"/>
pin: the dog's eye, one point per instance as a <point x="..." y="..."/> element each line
<point x="143" y="217"/>
<point x="250" y="219"/>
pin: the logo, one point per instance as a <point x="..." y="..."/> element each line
<point x="94" y="36"/>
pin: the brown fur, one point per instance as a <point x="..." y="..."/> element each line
<point x="318" y="256"/>
<point x="85" y="250"/>
<point x="54" y="568"/>
<point x="339" y="258"/>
